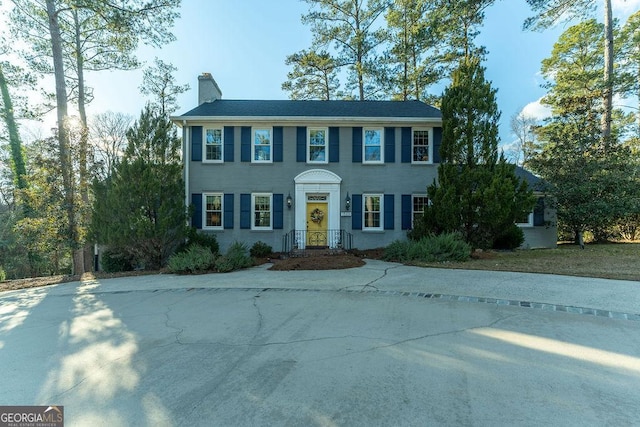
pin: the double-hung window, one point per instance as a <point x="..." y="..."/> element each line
<point x="262" y="204"/>
<point x="317" y="145"/>
<point x="261" y="147"/>
<point x="418" y="203"/>
<point x="213" y="210"/>
<point x="421" y="147"/>
<point x="213" y="145"/>
<point x="372" y="211"/>
<point x="373" y="147"/>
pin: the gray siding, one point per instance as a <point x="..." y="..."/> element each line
<point x="244" y="177"/>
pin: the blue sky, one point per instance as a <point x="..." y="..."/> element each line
<point x="243" y="44"/>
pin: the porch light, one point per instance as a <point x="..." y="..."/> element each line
<point x="347" y="201"/>
<point x="289" y="201"/>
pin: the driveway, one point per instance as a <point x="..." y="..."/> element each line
<point x="383" y="344"/>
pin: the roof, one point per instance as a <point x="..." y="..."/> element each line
<point x="535" y="183"/>
<point x="287" y="108"/>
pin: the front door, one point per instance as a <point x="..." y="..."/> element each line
<point x="317" y="221"/>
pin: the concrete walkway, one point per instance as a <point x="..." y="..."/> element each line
<point x="383" y="344"/>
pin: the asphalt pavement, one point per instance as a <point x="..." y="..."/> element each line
<point x="383" y="344"/>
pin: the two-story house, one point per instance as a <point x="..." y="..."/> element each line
<point x="300" y="174"/>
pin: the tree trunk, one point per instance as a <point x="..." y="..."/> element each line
<point x="66" y="165"/>
<point x="83" y="148"/>
<point x="608" y="74"/>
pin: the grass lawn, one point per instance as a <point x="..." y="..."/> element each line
<point x="609" y="261"/>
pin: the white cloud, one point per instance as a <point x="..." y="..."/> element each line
<point x="536" y="110"/>
<point x="625" y="7"/>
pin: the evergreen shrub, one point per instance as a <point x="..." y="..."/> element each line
<point x="236" y="258"/>
<point x="260" y="250"/>
<point x="195" y="259"/>
<point x="446" y="247"/>
<point x="510" y="239"/>
<point x="115" y="260"/>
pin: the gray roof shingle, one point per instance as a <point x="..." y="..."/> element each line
<point x="286" y="108"/>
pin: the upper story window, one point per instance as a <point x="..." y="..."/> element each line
<point x="212" y="210"/>
<point x="261" y="147"/>
<point x="421" y="145"/>
<point x="317" y="145"/>
<point x="262" y="215"/>
<point x="373" y="146"/>
<point x="213" y="145"/>
<point x="418" y="203"/>
<point x="372" y="211"/>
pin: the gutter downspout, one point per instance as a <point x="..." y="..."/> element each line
<point x="187" y="156"/>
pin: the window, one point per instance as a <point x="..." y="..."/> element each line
<point x="418" y="203"/>
<point x="317" y="145"/>
<point x="212" y="211"/>
<point x="261" y="147"/>
<point x="372" y="211"/>
<point x="421" y="147"/>
<point x="373" y="141"/>
<point x="526" y="220"/>
<point x="213" y="145"/>
<point x="261" y="211"/>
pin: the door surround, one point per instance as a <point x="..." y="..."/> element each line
<point x="317" y="181"/>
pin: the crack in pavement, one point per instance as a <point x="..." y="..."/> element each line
<point x="370" y="284"/>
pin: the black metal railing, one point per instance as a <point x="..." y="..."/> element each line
<point x="297" y="241"/>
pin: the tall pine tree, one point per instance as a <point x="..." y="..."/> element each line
<point x="477" y="193"/>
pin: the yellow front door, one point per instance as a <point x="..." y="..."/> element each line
<point x="317" y="220"/>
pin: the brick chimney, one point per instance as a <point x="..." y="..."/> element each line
<point x="208" y="90"/>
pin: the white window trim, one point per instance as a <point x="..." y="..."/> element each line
<point x="364" y="146"/>
<point x="253" y="145"/>
<point x="204" y="145"/>
<point x="253" y="211"/>
<point x="430" y="161"/>
<point x="413" y="196"/>
<point x="529" y="222"/>
<point x="204" y="211"/>
<point x="326" y="146"/>
<point x="364" y="212"/>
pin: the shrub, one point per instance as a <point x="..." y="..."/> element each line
<point x="237" y="257"/>
<point x="397" y="251"/>
<point x="202" y="239"/>
<point x="260" y="250"/>
<point x="194" y="259"/>
<point x="115" y="260"/>
<point x="445" y="247"/>
<point x="3" y="275"/>
<point x="510" y="239"/>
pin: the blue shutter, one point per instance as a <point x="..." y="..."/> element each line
<point x="228" y="143"/>
<point x="356" y="154"/>
<point x="278" y="212"/>
<point x="245" y="211"/>
<point x="389" y="145"/>
<point x="538" y="212"/>
<point x="389" y="209"/>
<point x="245" y="144"/>
<point x="277" y="143"/>
<point x="356" y="218"/>
<point x="437" y="142"/>
<point x="301" y="144"/>
<point x="406" y="145"/>
<point x="196" y="143"/>
<point x="407" y="209"/>
<point x="334" y="145"/>
<point x="196" y="219"/>
<point x="228" y="211"/>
